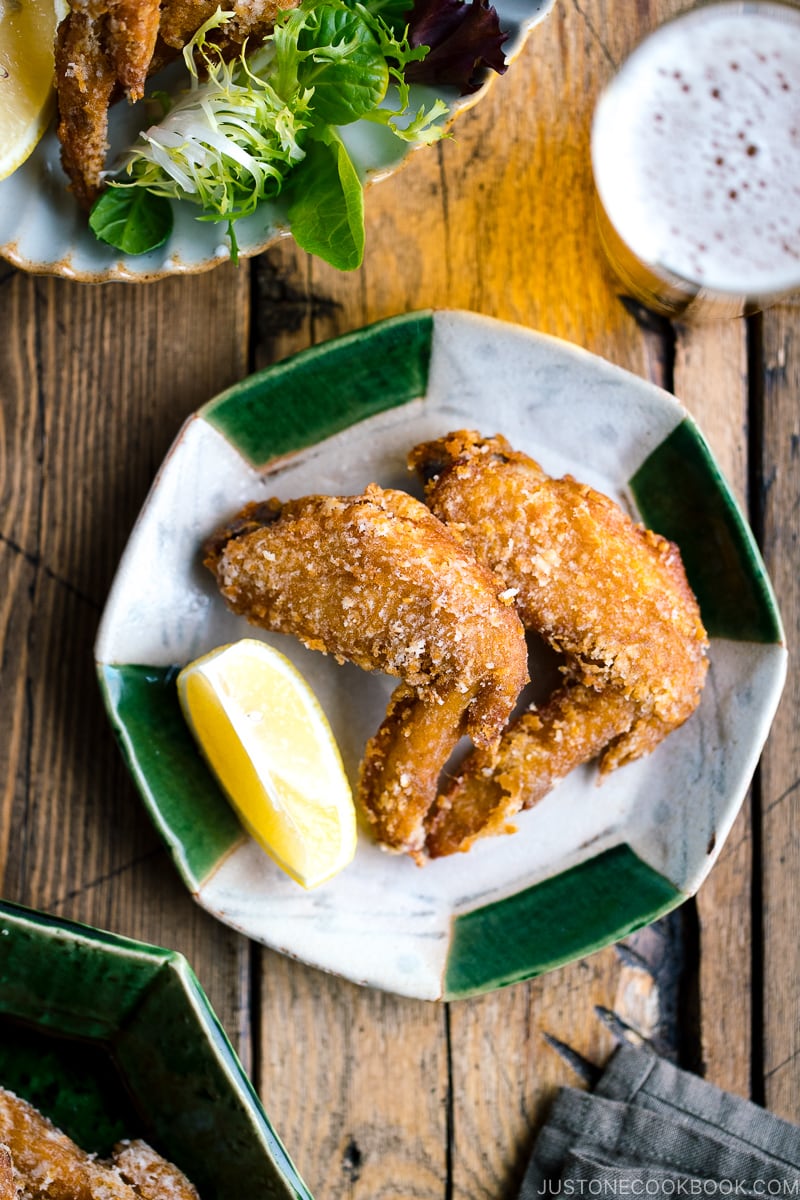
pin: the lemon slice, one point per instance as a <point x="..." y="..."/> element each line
<point x="27" y="33"/>
<point x="264" y="735"/>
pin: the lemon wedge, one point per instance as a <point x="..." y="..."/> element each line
<point x="265" y="737"/>
<point x="27" y="64"/>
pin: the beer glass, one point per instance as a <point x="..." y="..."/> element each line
<point x="696" y="161"/>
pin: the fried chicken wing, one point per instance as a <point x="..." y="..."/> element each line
<point x="612" y="596"/>
<point x="132" y="28"/>
<point x="180" y="20"/>
<point x="49" y="1163"/>
<point x="86" y="78"/>
<point x="40" y="1162"/>
<point x="377" y="580"/>
<point x="8" y="1189"/>
<point x="151" y="1176"/>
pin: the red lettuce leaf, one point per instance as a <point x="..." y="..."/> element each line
<point x="464" y="39"/>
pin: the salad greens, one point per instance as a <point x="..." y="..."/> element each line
<point x="327" y="206"/>
<point x="267" y="124"/>
<point x="463" y="40"/>
<point x="132" y="221"/>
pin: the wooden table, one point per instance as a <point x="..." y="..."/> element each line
<point x="377" y="1096"/>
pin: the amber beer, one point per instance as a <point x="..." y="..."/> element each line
<point x="696" y="160"/>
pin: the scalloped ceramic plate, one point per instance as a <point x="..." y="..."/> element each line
<point x="43" y="230"/>
<point x="588" y="864"/>
<point x="113" y="1038"/>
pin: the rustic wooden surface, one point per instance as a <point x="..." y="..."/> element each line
<point x="377" y="1096"/>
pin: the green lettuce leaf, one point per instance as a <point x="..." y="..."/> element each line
<point x="344" y="65"/>
<point x="326" y="206"/>
<point x="131" y="220"/>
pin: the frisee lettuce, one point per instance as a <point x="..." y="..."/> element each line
<point x="265" y="124"/>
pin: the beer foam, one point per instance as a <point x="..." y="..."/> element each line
<point x="696" y="148"/>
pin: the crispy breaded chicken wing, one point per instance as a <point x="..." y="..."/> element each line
<point x="180" y="20"/>
<point x="132" y="28"/>
<point x="612" y="596"/>
<point x="50" y="1165"/>
<point x="377" y="580"/>
<point x="150" y="1175"/>
<point x="86" y="79"/>
<point x="40" y="1162"/>
<point x="8" y="1188"/>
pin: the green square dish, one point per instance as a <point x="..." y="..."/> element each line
<point x="588" y="864"/>
<point x="113" y="1038"/>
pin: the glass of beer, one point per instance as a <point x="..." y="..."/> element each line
<point x="696" y="161"/>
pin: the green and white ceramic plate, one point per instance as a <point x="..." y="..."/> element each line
<point x="114" y="1039"/>
<point x="589" y="864"/>
<point x="42" y="228"/>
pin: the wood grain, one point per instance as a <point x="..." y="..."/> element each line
<point x="357" y="1083"/>
<point x="711" y="378"/>
<point x="94" y="386"/>
<point x="780" y="773"/>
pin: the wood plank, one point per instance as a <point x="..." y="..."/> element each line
<point x="511" y="1051"/>
<point x="780" y="785"/>
<point x="98" y="381"/>
<point x="122" y="367"/>
<point x="710" y="377"/>
<point x="356" y="1082"/>
<point x="20" y="439"/>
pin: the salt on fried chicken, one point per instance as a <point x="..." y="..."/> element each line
<point x="107" y="47"/>
<point x="40" y="1162"/>
<point x="86" y="79"/>
<point x="150" y="1175"/>
<point x="48" y="1162"/>
<point x="612" y="596"/>
<point x="377" y="580"/>
<point x="8" y="1188"/>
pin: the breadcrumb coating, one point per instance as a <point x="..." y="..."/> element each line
<point x="152" y="1177"/>
<point x="377" y="580"/>
<point x="39" y="1162"/>
<point x="609" y="594"/>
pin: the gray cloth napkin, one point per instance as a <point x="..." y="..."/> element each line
<point x="638" y="1077"/>
<point x="652" y="1130"/>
